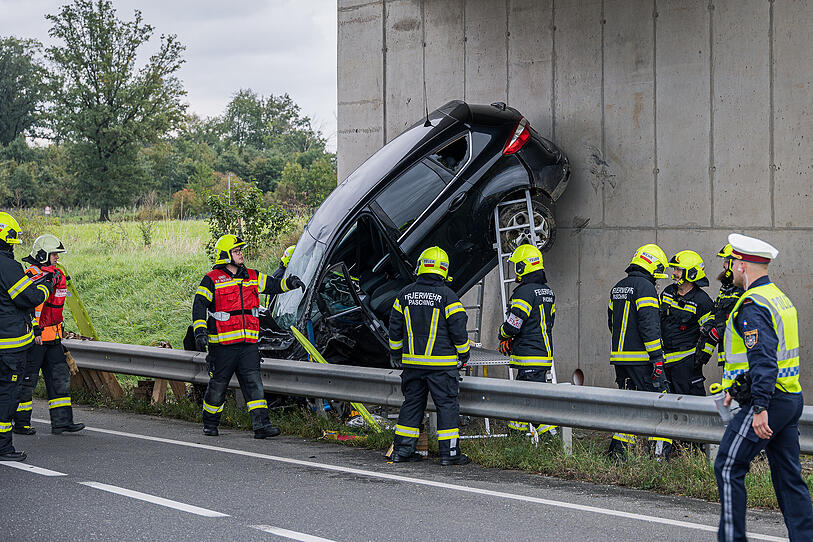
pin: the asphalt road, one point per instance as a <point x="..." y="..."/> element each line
<point x="130" y="477"/>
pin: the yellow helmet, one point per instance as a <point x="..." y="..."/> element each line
<point x="223" y="247"/>
<point x="286" y="256"/>
<point x="44" y="246"/>
<point x="9" y="229"/>
<point x="652" y="258"/>
<point x="726" y="251"/>
<point x="526" y="259"/>
<point x="692" y="264"/>
<point x="433" y="260"/>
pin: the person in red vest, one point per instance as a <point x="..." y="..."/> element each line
<point x="47" y="353"/>
<point x="225" y="318"/>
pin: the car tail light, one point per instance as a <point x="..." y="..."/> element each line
<point x="521" y="134"/>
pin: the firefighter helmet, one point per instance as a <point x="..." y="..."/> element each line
<point x="44" y="246"/>
<point x="286" y="256"/>
<point x="9" y="229"/>
<point x="433" y="260"/>
<point x="526" y="259"/>
<point x="223" y="247"/>
<point x="692" y="264"/>
<point x="726" y="254"/>
<point x="651" y="258"/>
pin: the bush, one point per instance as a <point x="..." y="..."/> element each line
<point x="187" y="203"/>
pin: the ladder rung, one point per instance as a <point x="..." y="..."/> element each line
<point x="513" y="201"/>
<point x="512" y="228"/>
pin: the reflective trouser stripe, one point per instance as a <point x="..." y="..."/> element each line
<point x="212" y="409"/>
<point x="662" y="439"/>
<point x="624" y="437"/>
<point x="59" y="402"/>
<point x="448" y="434"/>
<point x="5" y="427"/>
<point x="525" y="426"/>
<point x="259" y="403"/>
<point x="519" y="426"/>
<point x="404" y="431"/>
<point x="23" y="407"/>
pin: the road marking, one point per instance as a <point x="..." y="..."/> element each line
<point x="31" y="468"/>
<point x="293" y="535"/>
<point x="156" y="500"/>
<point x="432" y="483"/>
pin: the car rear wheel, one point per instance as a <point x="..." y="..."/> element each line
<point x="516" y="214"/>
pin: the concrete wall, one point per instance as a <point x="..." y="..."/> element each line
<point x="684" y="121"/>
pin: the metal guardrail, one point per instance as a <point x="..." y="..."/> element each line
<point x="642" y="413"/>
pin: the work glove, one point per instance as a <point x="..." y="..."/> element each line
<point x="462" y="360"/>
<point x="294" y="282"/>
<point x="201" y="342"/>
<point x="505" y="346"/>
<point x="658" y="375"/>
<point x="395" y="360"/>
<point x="701" y="357"/>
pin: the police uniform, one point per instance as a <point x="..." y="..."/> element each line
<point x="762" y="339"/>
<point x="427" y="335"/>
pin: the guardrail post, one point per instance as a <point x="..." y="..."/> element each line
<point x="711" y="452"/>
<point x="567" y="439"/>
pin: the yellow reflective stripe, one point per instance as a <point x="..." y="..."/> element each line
<point x="23" y="407"/>
<point x="205" y="292"/>
<point x="259" y="403"/>
<point x="454" y="308"/>
<point x="396" y="345"/>
<point x="662" y="439"/>
<point x="672" y="303"/>
<point x="671" y="357"/>
<point x="59" y="402"/>
<point x="17" y="288"/>
<point x="284" y="284"/>
<point x="653" y="345"/>
<point x="433" y="332"/>
<point x="262" y="281"/>
<point x="642" y="302"/>
<point x="624" y="437"/>
<point x="545" y="428"/>
<point x="14" y="342"/>
<point x="463" y="348"/>
<point x="237" y="334"/>
<point x="448" y="434"/>
<point x="434" y="361"/>
<point x="535" y="361"/>
<point x="519" y="426"/>
<point x="228" y="283"/>
<point x="624" y="320"/>
<point x="708" y="348"/>
<point x="705" y="318"/>
<point x="521" y="305"/>
<point x="544" y="325"/>
<point x="211" y="409"/>
<point x="197" y="324"/>
<point x="404" y="431"/>
<point x="44" y="290"/>
<point x="397" y="306"/>
<point x="5" y="427"/>
<point x="629" y="356"/>
<point x="410" y="338"/>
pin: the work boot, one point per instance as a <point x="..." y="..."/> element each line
<point x="23" y="430"/>
<point x="13" y="456"/>
<point x="210" y="431"/>
<point x="414" y="457"/>
<point x="70" y="428"/>
<point x="267" y="431"/>
<point x="461" y="459"/>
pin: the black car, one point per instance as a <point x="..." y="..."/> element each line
<point x="438" y="183"/>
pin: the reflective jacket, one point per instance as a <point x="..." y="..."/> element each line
<point x="47" y="320"/>
<point x="19" y="294"/>
<point x="428" y="325"/>
<point x="634" y="320"/>
<point x="681" y="319"/>
<point x="714" y="330"/>
<point x="529" y="320"/>
<point x="226" y="306"/>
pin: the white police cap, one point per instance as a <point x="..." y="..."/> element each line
<point x="751" y="249"/>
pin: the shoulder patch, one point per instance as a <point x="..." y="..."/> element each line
<point x="751" y="337"/>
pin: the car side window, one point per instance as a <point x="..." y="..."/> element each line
<point x="410" y="194"/>
<point x="453" y="156"/>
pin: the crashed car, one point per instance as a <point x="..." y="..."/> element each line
<point x="438" y="183"/>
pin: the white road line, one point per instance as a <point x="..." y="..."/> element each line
<point x="432" y="483"/>
<point x="31" y="468"/>
<point x="156" y="500"/>
<point x="293" y="535"/>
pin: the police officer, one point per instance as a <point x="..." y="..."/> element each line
<point x="19" y="294"/>
<point x="224" y="315"/>
<point x="634" y="321"/>
<point x="527" y="333"/>
<point x="428" y="338"/>
<point x="47" y="353"/>
<point x="762" y="340"/>
<point x="685" y="306"/>
<point x="713" y="331"/>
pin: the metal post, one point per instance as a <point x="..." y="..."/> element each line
<point x="229" y="188"/>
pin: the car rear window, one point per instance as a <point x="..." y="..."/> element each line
<point x="453" y="156"/>
<point x="410" y="194"/>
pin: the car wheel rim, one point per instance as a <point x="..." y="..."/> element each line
<point x="517" y="215"/>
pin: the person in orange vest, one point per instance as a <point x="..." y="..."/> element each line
<point x="225" y="319"/>
<point x="47" y="353"/>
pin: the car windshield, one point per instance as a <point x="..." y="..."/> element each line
<point x="304" y="264"/>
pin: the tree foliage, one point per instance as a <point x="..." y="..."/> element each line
<point x="22" y="87"/>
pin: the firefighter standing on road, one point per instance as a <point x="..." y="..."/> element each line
<point x="428" y="337"/>
<point x="634" y="321"/>
<point x="685" y="307"/>
<point x="47" y="353"/>
<point x="713" y="332"/>
<point x="762" y="342"/>
<point x="19" y="294"/>
<point x="224" y="315"/>
<point x="526" y="335"/>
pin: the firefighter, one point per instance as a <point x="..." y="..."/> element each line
<point x="19" y="294"/>
<point x="428" y="338"/>
<point x="224" y="315"/>
<point x="685" y="307"/>
<point x="47" y="353"/>
<point x="636" y="350"/>
<point x="280" y="272"/>
<point x="713" y="331"/>
<point x="761" y="346"/>
<point x="526" y="335"/>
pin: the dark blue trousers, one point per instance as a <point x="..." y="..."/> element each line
<point x="11" y="373"/>
<point x="740" y="445"/>
<point x="243" y="360"/>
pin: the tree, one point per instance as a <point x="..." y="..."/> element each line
<point x="106" y="105"/>
<point x="22" y="87"/>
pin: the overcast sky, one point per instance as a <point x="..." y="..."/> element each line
<point x="270" y="46"/>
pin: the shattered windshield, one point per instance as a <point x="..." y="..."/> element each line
<point x="304" y="264"/>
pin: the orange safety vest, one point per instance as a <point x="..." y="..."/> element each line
<point x="236" y="303"/>
<point x="48" y="315"/>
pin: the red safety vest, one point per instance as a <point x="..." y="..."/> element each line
<point x="236" y="302"/>
<point x="49" y="315"/>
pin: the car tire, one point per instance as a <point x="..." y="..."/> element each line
<point x="516" y="214"/>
